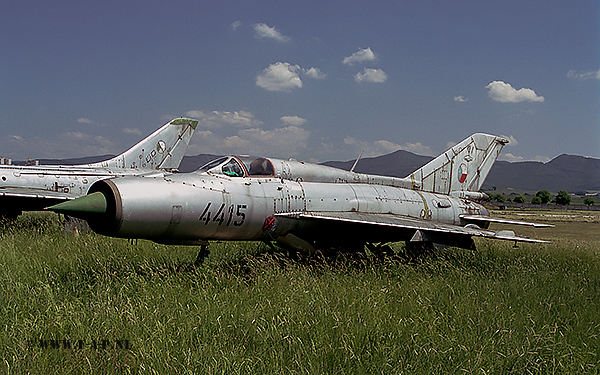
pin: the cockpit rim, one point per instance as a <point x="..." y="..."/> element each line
<point x="240" y="166"/>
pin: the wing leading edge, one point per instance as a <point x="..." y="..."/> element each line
<point x="403" y="228"/>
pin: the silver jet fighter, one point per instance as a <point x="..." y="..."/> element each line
<point x="32" y="188"/>
<point x="300" y="206"/>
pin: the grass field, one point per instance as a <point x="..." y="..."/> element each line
<point x="92" y="304"/>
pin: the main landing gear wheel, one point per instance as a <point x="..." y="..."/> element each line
<point x="380" y="251"/>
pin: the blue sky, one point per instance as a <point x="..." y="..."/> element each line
<point x="316" y="81"/>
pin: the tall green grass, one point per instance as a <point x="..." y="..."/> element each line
<point x="250" y="309"/>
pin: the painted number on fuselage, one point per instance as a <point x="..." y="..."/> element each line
<point x="233" y="211"/>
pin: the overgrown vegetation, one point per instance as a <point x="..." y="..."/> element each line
<point x="250" y="309"/>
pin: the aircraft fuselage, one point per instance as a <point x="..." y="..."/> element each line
<point x="303" y="207"/>
<point x="183" y="208"/>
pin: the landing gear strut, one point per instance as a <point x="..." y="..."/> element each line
<point x="417" y="249"/>
<point x="381" y="250"/>
<point x="202" y="254"/>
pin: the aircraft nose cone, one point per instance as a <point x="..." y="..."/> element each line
<point x="94" y="203"/>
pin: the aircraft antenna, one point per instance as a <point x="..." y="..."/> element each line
<point x="356" y="162"/>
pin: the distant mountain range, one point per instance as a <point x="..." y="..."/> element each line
<point x="565" y="172"/>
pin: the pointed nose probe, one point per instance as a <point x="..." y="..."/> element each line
<point x="94" y="203"/>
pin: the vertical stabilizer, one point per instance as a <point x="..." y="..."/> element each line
<point x="163" y="149"/>
<point x="463" y="167"/>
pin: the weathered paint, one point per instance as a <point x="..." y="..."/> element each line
<point x="211" y="207"/>
<point x="297" y="203"/>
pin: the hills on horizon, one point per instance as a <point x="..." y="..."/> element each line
<point x="572" y="173"/>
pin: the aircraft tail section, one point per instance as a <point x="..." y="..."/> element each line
<point x="463" y="167"/>
<point x="163" y="149"/>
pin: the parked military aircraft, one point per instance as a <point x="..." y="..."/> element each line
<point x="32" y="188"/>
<point x="301" y="206"/>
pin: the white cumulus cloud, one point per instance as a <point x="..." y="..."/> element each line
<point x="293" y="120"/>
<point x="76" y="136"/>
<point x="284" y="142"/>
<point x="512" y="141"/>
<point x="132" y="131"/>
<point x="239" y="132"/>
<point x="371" y="75"/>
<point x="583" y="75"/>
<point x="219" y="119"/>
<point x="360" y="56"/>
<point x="236" y="25"/>
<point x="460" y="99"/>
<point x="315" y="73"/>
<point x="289" y="141"/>
<point x="280" y="77"/>
<point x="505" y="93"/>
<point x="510" y="158"/>
<point x="264" y="31"/>
<point x="87" y="121"/>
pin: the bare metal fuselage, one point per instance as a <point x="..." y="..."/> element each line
<point x="183" y="208"/>
<point x="302" y="206"/>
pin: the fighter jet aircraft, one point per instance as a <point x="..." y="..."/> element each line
<point x="32" y="188"/>
<point x="301" y="206"/>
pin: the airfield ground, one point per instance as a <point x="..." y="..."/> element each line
<point x="569" y="225"/>
<point x="92" y="304"/>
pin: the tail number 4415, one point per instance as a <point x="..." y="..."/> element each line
<point x="234" y="214"/>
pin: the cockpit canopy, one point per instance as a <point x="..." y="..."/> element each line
<point x="234" y="166"/>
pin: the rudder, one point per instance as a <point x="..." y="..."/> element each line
<point x="463" y="167"/>
<point x="163" y="149"/>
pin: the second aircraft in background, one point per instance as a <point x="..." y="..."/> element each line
<point x="31" y="188"/>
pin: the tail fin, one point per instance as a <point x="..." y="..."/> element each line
<point x="463" y="167"/>
<point x="163" y="149"/>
